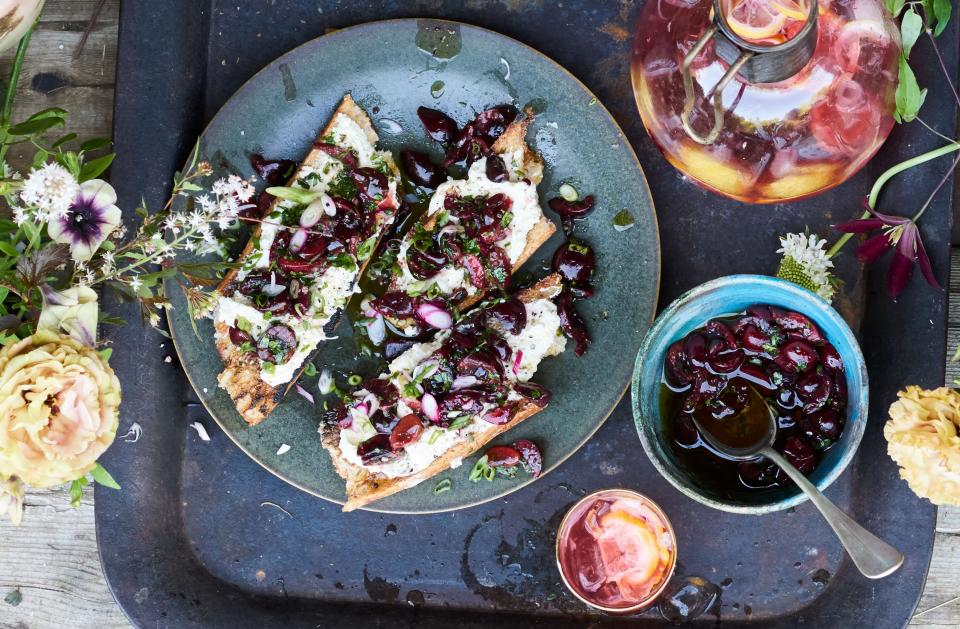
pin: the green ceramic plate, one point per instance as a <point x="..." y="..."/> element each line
<point x="391" y="68"/>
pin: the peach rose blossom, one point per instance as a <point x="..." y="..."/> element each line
<point x="58" y="409"/>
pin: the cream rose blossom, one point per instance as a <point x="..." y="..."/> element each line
<point x="58" y="409"/>
<point x="922" y="437"/>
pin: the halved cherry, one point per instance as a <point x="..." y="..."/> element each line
<point x="503" y="456"/>
<point x="277" y="344"/>
<point x="407" y="430"/>
<point x="799" y="326"/>
<point x="797" y="357"/>
<point x="530" y="456"/>
<point x="440" y="127"/>
<point x="239" y="337"/>
<point x="498" y="416"/>
<point x="376" y="449"/>
<point x="533" y="392"/>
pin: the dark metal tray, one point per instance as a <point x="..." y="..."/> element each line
<point x="196" y="539"/>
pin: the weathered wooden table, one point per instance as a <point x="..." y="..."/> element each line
<point x="52" y="558"/>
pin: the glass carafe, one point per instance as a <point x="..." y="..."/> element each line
<point x="766" y="100"/>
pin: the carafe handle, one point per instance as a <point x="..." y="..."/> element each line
<point x="690" y="97"/>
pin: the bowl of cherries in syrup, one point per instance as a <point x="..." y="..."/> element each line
<point x="716" y="355"/>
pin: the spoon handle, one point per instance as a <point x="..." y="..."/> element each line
<point x="873" y="557"/>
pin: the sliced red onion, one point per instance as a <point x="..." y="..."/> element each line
<point x="306" y="394"/>
<point x="325" y="382"/>
<point x="516" y="361"/>
<point x="311" y="214"/>
<point x="429" y="364"/>
<point x="362" y="408"/>
<point x="372" y="403"/>
<point x="428" y="404"/>
<point x="329" y="207"/>
<point x="273" y="289"/>
<point x="463" y="382"/>
<point x="450" y="228"/>
<point x="376" y="329"/>
<point x="435" y="317"/>
<point x="297" y="240"/>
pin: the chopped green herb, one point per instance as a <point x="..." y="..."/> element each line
<point x="268" y="367"/>
<point x="344" y="261"/>
<point x="243" y="324"/>
<point x="623" y="220"/>
<point x="434" y="436"/>
<point x="297" y="195"/>
<point x="310" y="370"/>
<point x="445" y="485"/>
<point x="247" y="346"/>
<point x="366" y="248"/>
<point x="505" y="220"/>
<point x="573" y="245"/>
<point x="479" y="469"/>
<point x="443" y="218"/>
<point x="569" y="193"/>
<point x="461" y="421"/>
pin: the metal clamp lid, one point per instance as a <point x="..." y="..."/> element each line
<point x="756" y="63"/>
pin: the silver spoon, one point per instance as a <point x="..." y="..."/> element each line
<point x="873" y="557"/>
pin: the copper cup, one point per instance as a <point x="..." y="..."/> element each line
<point x="563" y="534"/>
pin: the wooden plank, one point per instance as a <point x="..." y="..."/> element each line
<point x="53" y="558"/>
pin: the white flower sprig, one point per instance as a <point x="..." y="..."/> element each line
<point x="805" y="262"/>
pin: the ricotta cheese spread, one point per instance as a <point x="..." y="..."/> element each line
<point x="525" y="210"/>
<point x="541" y="337"/>
<point x="330" y="291"/>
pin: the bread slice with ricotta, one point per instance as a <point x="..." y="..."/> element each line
<point x="252" y="331"/>
<point x="526" y="230"/>
<point x="440" y="448"/>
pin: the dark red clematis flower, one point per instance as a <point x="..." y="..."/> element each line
<point x="901" y="235"/>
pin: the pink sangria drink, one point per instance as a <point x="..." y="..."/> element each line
<point x="779" y="140"/>
<point x="616" y="551"/>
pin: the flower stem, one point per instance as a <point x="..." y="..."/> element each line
<point x="7" y="109"/>
<point x="885" y="177"/>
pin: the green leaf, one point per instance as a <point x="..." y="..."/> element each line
<point x="103" y="477"/>
<point x="297" y="195"/>
<point x="95" y="143"/>
<point x="909" y="97"/>
<point x="194" y="156"/>
<point x="106" y="353"/>
<point x="894" y="6"/>
<point x="76" y="491"/>
<point x="70" y="161"/>
<point x="910" y="28"/>
<point x="310" y="370"/>
<point x="70" y="137"/>
<point x="9" y="249"/>
<point x="189" y="186"/>
<point x="32" y="127"/>
<point x="50" y="112"/>
<point x="95" y="167"/>
<point x="941" y="10"/>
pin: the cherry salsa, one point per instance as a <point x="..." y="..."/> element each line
<point x="712" y="373"/>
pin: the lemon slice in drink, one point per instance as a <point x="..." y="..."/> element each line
<point x="755" y="20"/>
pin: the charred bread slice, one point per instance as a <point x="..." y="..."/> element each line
<point x="302" y="262"/>
<point x="475" y="261"/>
<point x="471" y="402"/>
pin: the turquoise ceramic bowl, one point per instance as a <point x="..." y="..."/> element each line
<point x="729" y="295"/>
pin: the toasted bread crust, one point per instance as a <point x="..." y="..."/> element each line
<point x="365" y="486"/>
<point x="254" y="398"/>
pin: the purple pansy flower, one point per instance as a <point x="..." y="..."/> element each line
<point x="91" y="218"/>
<point x="901" y="235"/>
